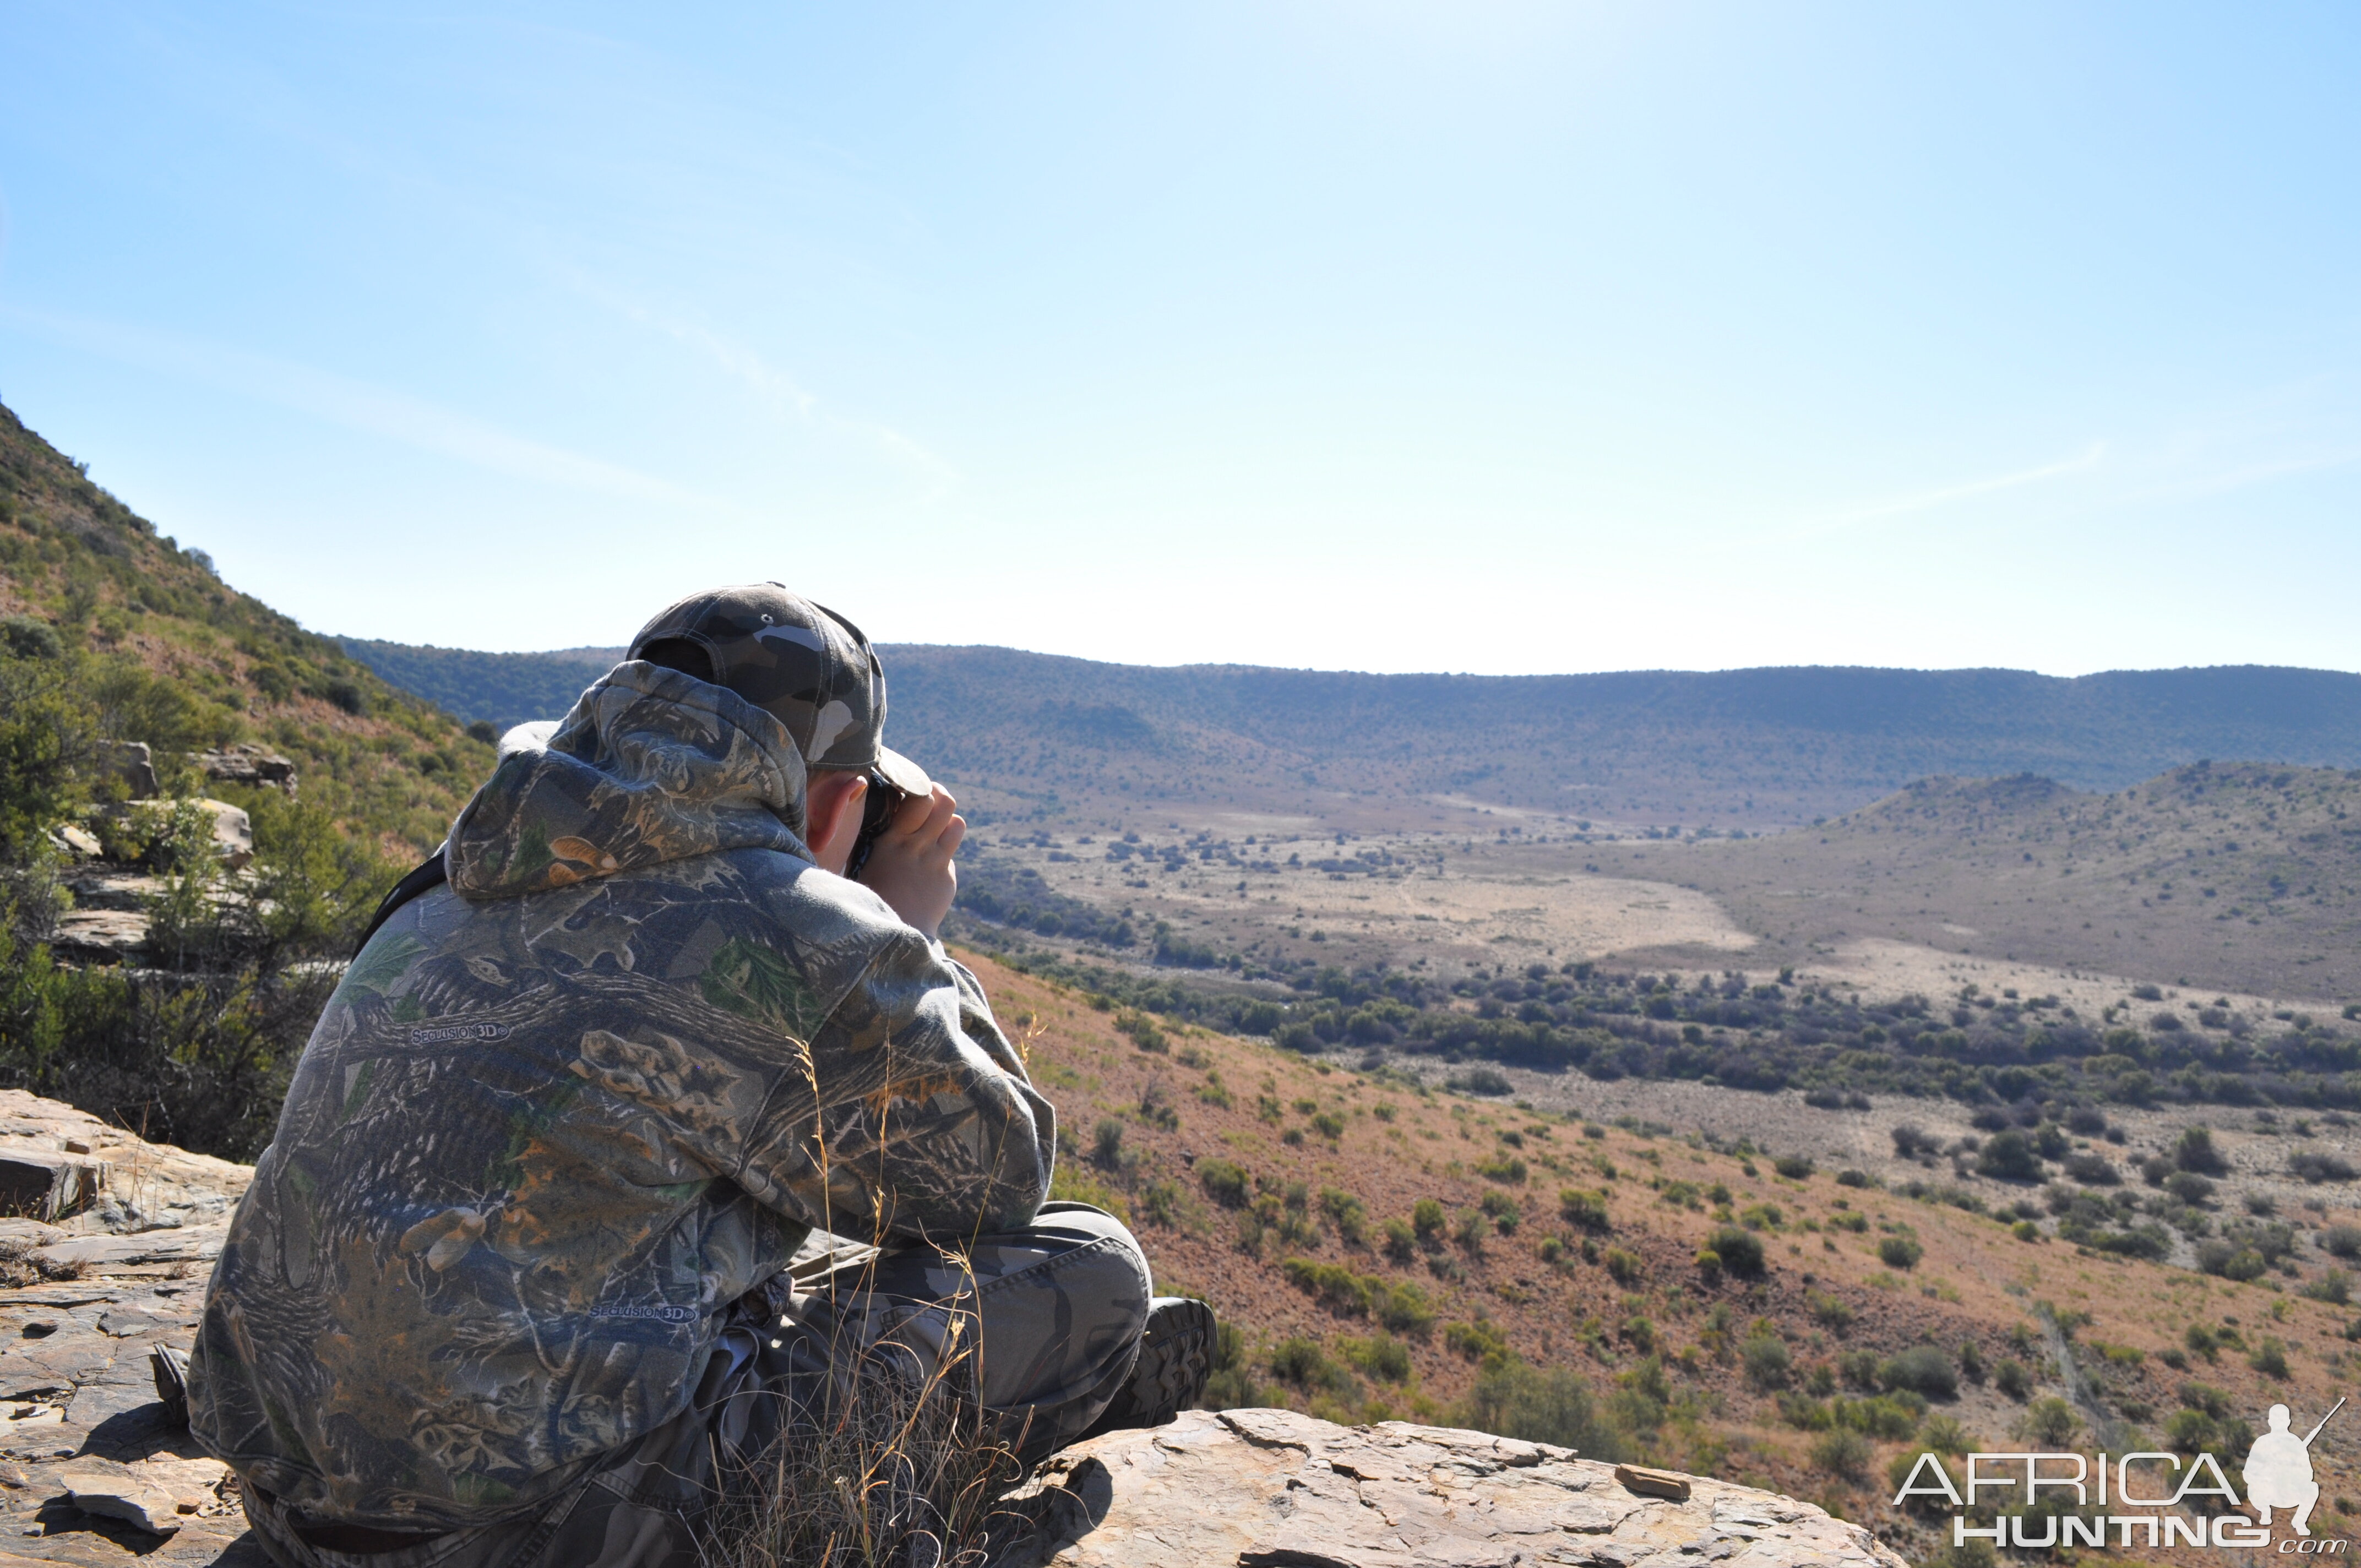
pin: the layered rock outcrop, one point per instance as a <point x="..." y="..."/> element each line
<point x="1274" y="1489"/>
<point x="108" y="1260"/>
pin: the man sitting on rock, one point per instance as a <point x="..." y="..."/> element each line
<point x="511" y="1283"/>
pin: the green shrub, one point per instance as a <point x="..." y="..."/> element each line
<point x="1303" y="1363"/>
<point x="1767" y="1362"/>
<point x="1922" y="1369"/>
<point x="1346" y="1214"/>
<point x="1473" y="1227"/>
<point x="1830" y="1313"/>
<point x="1400" y="1306"/>
<point x="1160" y="1202"/>
<point x="2009" y="1156"/>
<point x="2049" y="1422"/>
<point x="1225" y="1182"/>
<point x="1842" y="1452"/>
<point x="1583" y="1208"/>
<point x="47" y="733"/>
<point x="1232" y="1386"/>
<point x="1509" y="1170"/>
<point x="1479" y="1341"/>
<point x="1427" y="1218"/>
<point x="1889" y="1417"/>
<point x="2013" y="1378"/>
<point x="2195" y="1152"/>
<point x="1553" y="1406"/>
<point x="1740" y="1250"/>
<point x="1623" y="1265"/>
<point x="2334" y="1287"/>
<point x="1070" y="1184"/>
<point x="1900" y="1252"/>
<point x="1381" y="1355"/>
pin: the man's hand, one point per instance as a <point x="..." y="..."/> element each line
<point x="910" y="864"/>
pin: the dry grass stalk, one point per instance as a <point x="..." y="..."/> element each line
<point x="20" y="1266"/>
<point x="903" y="1469"/>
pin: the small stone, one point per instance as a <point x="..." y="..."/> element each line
<point x="233" y="832"/>
<point x="77" y="1145"/>
<point x="1649" y="1483"/>
<point x="110" y="1495"/>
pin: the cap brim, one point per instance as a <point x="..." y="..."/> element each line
<point x="903" y="773"/>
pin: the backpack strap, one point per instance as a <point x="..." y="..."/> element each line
<point x="429" y="874"/>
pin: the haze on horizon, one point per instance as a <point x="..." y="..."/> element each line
<point x="1506" y="337"/>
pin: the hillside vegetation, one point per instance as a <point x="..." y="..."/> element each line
<point x="501" y="689"/>
<point x="112" y="632"/>
<point x="1641" y="1291"/>
<point x="1032" y="735"/>
<point x="162" y="651"/>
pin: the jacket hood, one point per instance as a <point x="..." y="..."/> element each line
<point x="650" y="765"/>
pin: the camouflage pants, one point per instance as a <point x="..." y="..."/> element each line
<point x="1056" y="1309"/>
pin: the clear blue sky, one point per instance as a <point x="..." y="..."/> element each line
<point x="1487" y="337"/>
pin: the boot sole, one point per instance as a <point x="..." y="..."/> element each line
<point x="1176" y="1360"/>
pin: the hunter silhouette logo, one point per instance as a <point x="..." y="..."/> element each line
<point x="2278" y="1471"/>
<point x="2055" y="1494"/>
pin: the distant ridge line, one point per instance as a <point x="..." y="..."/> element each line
<point x="1764" y="746"/>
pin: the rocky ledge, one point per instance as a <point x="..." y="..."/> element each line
<point x="1274" y="1489"/>
<point x="92" y="1473"/>
<point x="108" y="1260"/>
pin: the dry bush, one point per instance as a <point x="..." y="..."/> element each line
<point x="20" y="1266"/>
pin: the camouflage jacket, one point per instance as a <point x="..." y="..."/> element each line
<point x="559" y="1115"/>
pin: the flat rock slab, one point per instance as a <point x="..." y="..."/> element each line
<point x="91" y="1472"/>
<point x="1274" y="1489"/>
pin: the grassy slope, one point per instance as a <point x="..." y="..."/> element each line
<point x="393" y="767"/>
<point x="1976" y="1282"/>
<point x="2235" y="876"/>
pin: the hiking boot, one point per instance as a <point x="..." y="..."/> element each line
<point x="1176" y="1358"/>
<point x="170" y="1368"/>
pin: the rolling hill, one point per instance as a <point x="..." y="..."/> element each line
<point x="1753" y="749"/>
<point x="2228" y="876"/>
<point x="501" y="689"/>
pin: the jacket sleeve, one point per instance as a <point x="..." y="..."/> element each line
<point x="915" y="1116"/>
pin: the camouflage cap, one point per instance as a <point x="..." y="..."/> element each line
<point x="802" y="663"/>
